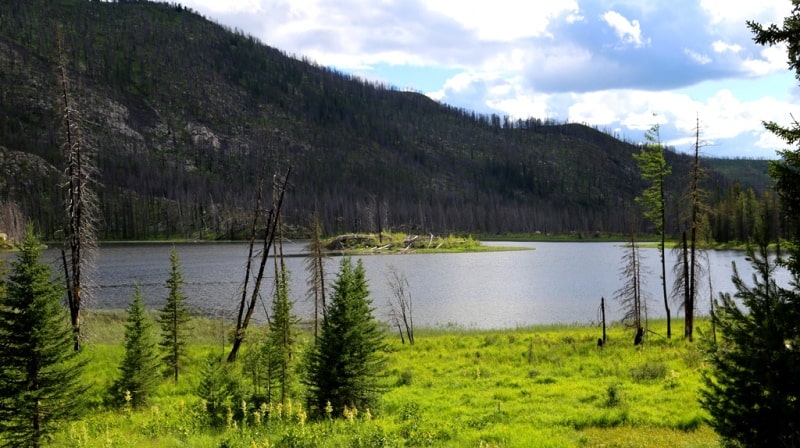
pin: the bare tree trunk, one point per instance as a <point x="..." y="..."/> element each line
<point x="603" y="313"/>
<point x="693" y="251"/>
<point x="661" y="250"/>
<point x="80" y="202"/>
<point x="316" y="267"/>
<point x="686" y="281"/>
<point x="253" y="230"/>
<point x="269" y="237"/>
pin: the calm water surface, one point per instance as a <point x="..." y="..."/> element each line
<point x="551" y="283"/>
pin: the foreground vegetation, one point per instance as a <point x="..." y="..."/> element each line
<point x="542" y="386"/>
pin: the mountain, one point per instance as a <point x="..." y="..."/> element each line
<point x="183" y="115"/>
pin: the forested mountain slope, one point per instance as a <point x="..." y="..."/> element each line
<point x="182" y="115"/>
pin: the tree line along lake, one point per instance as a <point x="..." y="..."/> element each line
<point x="550" y="283"/>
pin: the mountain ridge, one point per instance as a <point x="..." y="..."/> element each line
<point x="182" y="114"/>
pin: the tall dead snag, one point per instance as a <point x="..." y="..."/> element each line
<point x="689" y="271"/>
<point x="315" y="266"/>
<point x="80" y="201"/>
<point x="246" y="308"/>
<point x="696" y="209"/>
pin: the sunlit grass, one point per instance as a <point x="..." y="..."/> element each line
<point x="548" y="386"/>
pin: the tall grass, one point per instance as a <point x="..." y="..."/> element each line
<point x="541" y="386"/>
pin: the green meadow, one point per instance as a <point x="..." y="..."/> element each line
<point x="548" y="386"/>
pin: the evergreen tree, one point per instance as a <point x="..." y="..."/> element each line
<point x="138" y="370"/>
<point x="346" y="363"/>
<point x="786" y="170"/>
<point x="752" y="390"/>
<point x="39" y="378"/>
<point x="281" y="336"/>
<point x="174" y="318"/>
<point x="753" y="387"/>
<point x="218" y="388"/>
<point x="654" y="170"/>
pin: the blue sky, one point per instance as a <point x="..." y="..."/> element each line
<point x="621" y="65"/>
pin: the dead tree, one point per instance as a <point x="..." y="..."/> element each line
<point x="401" y="312"/>
<point x="632" y="296"/>
<point x="315" y="266"/>
<point x="80" y="201"/>
<point x="247" y="308"/>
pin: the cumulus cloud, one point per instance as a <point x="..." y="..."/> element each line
<point x="722" y="47"/>
<point x="504" y="20"/>
<point x="629" y="31"/>
<point x="603" y="62"/>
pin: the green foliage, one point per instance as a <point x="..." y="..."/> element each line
<point x="174" y="317"/>
<point x="446" y="405"/>
<point x="139" y="369"/>
<point x="346" y="362"/>
<point x="654" y="169"/>
<point x="649" y="371"/>
<point x="281" y="338"/>
<point x="786" y="170"/>
<point x="219" y="390"/>
<point x="40" y="371"/>
<point x="752" y="389"/>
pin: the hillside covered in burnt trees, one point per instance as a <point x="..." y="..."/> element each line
<point x="182" y="115"/>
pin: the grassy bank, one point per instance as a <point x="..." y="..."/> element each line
<point x="545" y="386"/>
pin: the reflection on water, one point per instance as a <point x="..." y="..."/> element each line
<point x="553" y="283"/>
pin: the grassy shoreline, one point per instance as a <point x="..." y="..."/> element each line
<point x="544" y="385"/>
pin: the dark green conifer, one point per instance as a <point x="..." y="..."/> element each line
<point x="174" y="317"/>
<point x="39" y="378"/>
<point x="281" y="337"/>
<point x="346" y="364"/>
<point x="139" y="369"/>
<point x="752" y="389"/>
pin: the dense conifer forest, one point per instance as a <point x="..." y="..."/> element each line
<point x="182" y="116"/>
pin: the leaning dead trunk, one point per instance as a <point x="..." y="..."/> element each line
<point x="246" y="310"/>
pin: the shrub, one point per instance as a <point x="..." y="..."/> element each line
<point x="649" y="371"/>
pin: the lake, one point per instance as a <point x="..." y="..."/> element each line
<point x="551" y="283"/>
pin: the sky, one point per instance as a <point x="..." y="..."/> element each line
<point x="622" y="66"/>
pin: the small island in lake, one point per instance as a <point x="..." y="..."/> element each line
<point x="401" y="243"/>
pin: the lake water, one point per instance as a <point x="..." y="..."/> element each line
<point x="551" y="283"/>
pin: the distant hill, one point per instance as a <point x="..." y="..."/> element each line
<point x="182" y="114"/>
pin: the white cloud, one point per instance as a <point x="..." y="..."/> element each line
<point x="504" y="20"/>
<point x="630" y="32"/>
<point x="228" y="7"/>
<point x="722" y="47"/>
<point x="737" y="12"/>
<point x="773" y="59"/>
<point x="768" y="140"/>
<point x="697" y="57"/>
<point x="551" y="59"/>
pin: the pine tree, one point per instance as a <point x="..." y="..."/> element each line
<point x="218" y="388"/>
<point x="654" y="170"/>
<point x="281" y="336"/>
<point x="39" y="378"/>
<point x="174" y="318"/>
<point x="786" y="170"/>
<point x="346" y="364"/>
<point x="139" y="369"/>
<point x="752" y="390"/>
